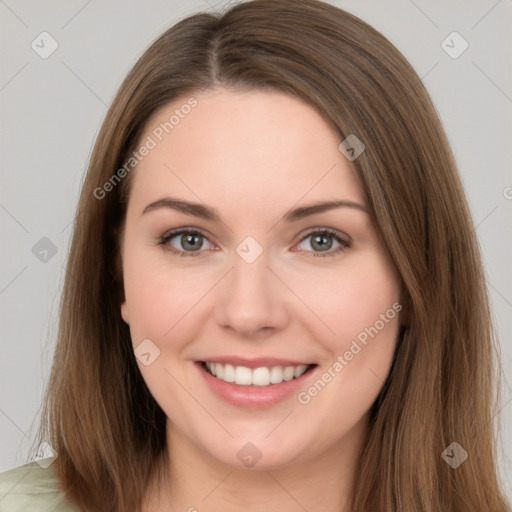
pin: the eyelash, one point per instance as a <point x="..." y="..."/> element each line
<point x="164" y="239"/>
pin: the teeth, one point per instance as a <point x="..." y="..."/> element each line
<point x="263" y="376"/>
<point x="260" y="377"/>
<point x="229" y="373"/>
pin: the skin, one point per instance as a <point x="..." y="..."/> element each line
<point x="252" y="156"/>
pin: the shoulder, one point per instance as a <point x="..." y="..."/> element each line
<point x="32" y="487"/>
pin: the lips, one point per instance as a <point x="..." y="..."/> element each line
<point x="261" y="392"/>
<point x="256" y="362"/>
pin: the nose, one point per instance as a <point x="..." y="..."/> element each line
<point x="252" y="300"/>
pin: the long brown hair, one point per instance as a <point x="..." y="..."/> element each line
<point x="99" y="415"/>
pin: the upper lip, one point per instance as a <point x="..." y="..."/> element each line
<point x="254" y="363"/>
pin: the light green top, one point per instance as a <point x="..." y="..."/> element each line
<point x="33" y="487"/>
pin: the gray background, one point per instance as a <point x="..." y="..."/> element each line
<point x="52" y="110"/>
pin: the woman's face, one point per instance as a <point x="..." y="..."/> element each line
<point x="265" y="285"/>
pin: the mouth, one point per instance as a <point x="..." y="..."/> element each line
<point x="263" y="376"/>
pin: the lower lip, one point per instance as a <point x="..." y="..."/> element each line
<point x="254" y="397"/>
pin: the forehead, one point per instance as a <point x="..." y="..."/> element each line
<point x="251" y="149"/>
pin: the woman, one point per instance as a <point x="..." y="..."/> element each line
<point x="274" y="296"/>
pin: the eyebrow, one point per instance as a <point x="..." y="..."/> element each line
<point x="205" y="212"/>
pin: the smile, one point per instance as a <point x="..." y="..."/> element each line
<point x="262" y="376"/>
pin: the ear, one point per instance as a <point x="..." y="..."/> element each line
<point x="119" y="278"/>
<point x="124" y="312"/>
<point x="118" y="268"/>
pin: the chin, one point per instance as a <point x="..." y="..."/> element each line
<point x="255" y="453"/>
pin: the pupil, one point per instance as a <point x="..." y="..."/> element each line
<point x="321" y="241"/>
<point x="190" y="239"/>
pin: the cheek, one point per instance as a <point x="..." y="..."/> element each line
<point x="159" y="299"/>
<point x="351" y="299"/>
<point x="164" y="296"/>
<point x="153" y="299"/>
<point x="361" y="305"/>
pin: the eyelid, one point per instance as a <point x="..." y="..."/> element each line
<point x="331" y="231"/>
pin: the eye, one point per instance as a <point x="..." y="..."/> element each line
<point x="191" y="242"/>
<point x="321" y="241"/>
<point x="184" y="242"/>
